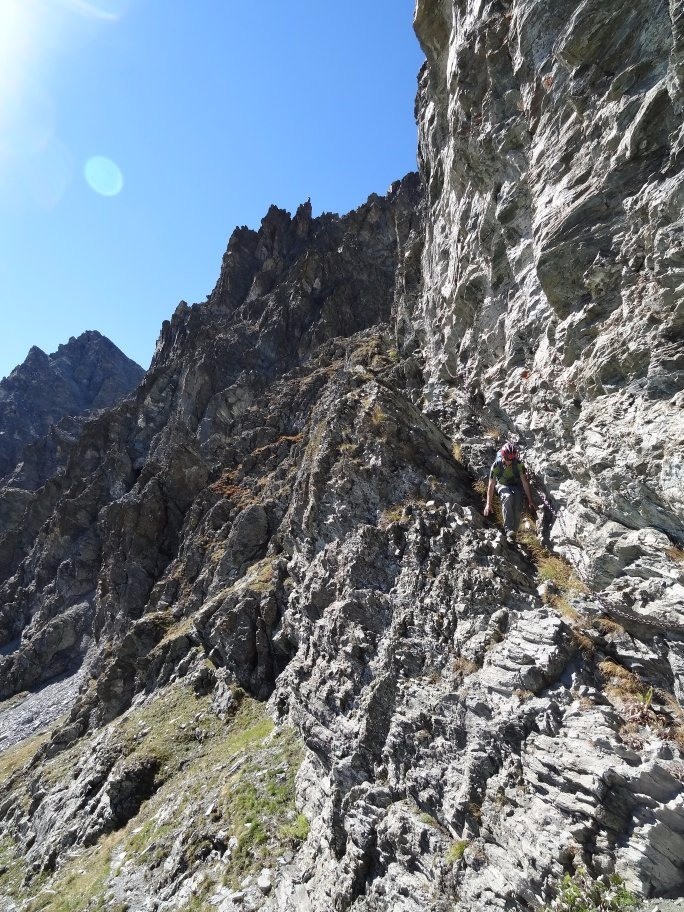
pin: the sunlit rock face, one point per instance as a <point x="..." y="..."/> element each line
<point x="551" y="146"/>
<point x="288" y="508"/>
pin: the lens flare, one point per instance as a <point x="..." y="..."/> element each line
<point x="103" y="176"/>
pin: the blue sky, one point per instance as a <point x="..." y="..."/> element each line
<point x="136" y="134"/>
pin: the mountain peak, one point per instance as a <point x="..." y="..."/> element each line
<point x="87" y="372"/>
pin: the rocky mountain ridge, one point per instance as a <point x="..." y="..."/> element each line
<point x="312" y="675"/>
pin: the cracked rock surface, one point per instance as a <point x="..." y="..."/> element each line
<point x="317" y="678"/>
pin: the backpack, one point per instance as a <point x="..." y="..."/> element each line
<point x="499" y="469"/>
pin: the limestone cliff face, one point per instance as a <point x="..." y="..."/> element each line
<point x="285" y="521"/>
<point x="551" y="142"/>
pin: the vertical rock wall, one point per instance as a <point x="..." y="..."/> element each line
<point x="552" y="309"/>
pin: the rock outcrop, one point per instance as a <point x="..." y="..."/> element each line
<point x="284" y="522"/>
<point x="93" y="546"/>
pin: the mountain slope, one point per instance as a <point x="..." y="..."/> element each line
<point x="283" y="527"/>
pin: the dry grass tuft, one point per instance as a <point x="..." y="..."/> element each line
<point x="677" y="735"/>
<point x="475" y="810"/>
<point x="400" y="512"/>
<point x="584" y="643"/>
<point x="606" y="626"/>
<point x="560" y="604"/>
<point x="392" y="515"/>
<point x="226" y="487"/>
<point x="628" y="689"/>
<point x="378" y="417"/>
<point x="627" y="679"/>
<point x="463" y="667"/>
<point x="676" y="554"/>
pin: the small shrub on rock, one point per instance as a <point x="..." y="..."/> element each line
<point x="581" y="893"/>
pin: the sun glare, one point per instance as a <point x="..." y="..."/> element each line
<point x="35" y="35"/>
<point x="18" y="27"/>
<point x="103" y="175"/>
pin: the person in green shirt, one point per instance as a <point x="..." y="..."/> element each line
<point x="508" y="477"/>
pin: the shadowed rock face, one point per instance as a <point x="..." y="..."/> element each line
<point x="286" y="505"/>
<point x="85" y="374"/>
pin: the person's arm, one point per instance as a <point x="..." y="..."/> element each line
<point x="490" y="495"/>
<point x="528" y="491"/>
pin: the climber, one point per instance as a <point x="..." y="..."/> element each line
<point x="509" y="477"/>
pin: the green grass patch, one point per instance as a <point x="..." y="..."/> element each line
<point x="257" y="800"/>
<point x="297" y="831"/>
<point x="13" y="761"/>
<point x="428" y="819"/>
<point x="560" y="573"/>
<point x="552" y="568"/>
<point x="18" y="755"/>
<point x="80" y="886"/>
<point x="533" y="545"/>
<point x="455" y="851"/>
<point x="235" y="779"/>
<point x="12" y="866"/>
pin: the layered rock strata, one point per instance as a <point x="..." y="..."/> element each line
<point x="551" y="145"/>
<point x="288" y="508"/>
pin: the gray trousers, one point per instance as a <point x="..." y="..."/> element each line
<point x="511" y="505"/>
